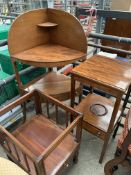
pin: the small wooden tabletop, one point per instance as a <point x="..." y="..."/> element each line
<point x="105" y="71"/>
<point x="49" y="55"/>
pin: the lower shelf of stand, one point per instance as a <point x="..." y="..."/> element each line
<point x="97" y="125"/>
<point x="54" y="84"/>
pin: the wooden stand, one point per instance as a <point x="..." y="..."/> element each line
<point x="111" y="76"/>
<point x="93" y="123"/>
<point x="39" y="145"/>
<point x="46" y="38"/>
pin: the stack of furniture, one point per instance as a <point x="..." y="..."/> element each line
<point x="52" y="38"/>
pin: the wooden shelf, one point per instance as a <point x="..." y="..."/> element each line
<point x="47" y="24"/>
<point x="40" y="126"/>
<point x="49" y="55"/>
<point x="54" y="84"/>
<point x="97" y="125"/>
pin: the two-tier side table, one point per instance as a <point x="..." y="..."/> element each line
<point x="100" y="113"/>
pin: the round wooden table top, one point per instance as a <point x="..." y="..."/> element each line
<point x="9" y="168"/>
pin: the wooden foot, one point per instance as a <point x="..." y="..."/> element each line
<point x="75" y="158"/>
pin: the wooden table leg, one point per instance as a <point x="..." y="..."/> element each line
<point x="20" y="89"/>
<point x="72" y="91"/>
<point x="18" y="78"/>
<point x="122" y="112"/>
<point x="110" y="128"/>
<point x="80" y="93"/>
<point x="126" y="99"/>
<point x="72" y="95"/>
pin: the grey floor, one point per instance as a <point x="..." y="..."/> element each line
<point x="89" y="155"/>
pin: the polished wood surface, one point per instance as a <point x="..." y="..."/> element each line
<point x="33" y="135"/>
<point x="25" y="34"/>
<point x="117" y="27"/>
<point x="106" y="71"/>
<point x="97" y="125"/>
<point x="56" y="85"/>
<point x="122" y="159"/>
<point x="46" y="38"/>
<point x="69" y="32"/>
<point x="106" y="74"/>
<point x="49" y="55"/>
<point x="39" y="145"/>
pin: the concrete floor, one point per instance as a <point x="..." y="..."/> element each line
<point x="90" y="150"/>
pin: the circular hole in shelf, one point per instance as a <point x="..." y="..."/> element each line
<point x="98" y="109"/>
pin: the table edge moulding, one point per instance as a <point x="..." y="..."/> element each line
<point x="125" y="71"/>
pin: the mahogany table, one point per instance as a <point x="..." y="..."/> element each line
<point x="100" y="113"/>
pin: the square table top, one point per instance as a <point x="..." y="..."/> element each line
<point x="105" y="71"/>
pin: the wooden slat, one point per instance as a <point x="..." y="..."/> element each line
<point x="16" y="103"/>
<point x="17" y="154"/>
<point x="56" y="114"/>
<point x="18" y="143"/>
<point x="58" y="140"/>
<point x="67" y="119"/>
<point x="26" y="162"/>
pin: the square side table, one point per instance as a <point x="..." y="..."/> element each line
<point x="100" y="114"/>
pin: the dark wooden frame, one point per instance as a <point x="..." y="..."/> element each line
<point x="6" y="137"/>
<point x="111" y="165"/>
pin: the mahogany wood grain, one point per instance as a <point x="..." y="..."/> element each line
<point x="106" y="72"/>
<point x="121" y="158"/>
<point x="56" y="85"/>
<point x="24" y="32"/>
<point x="40" y="146"/>
<point x="38" y="141"/>
<point x="34" y="40"/>
<point x="117" y="27"/>
<point x="69" y="32"/>
<point x="98" y="125"/>
<point x="49" y="55"/>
